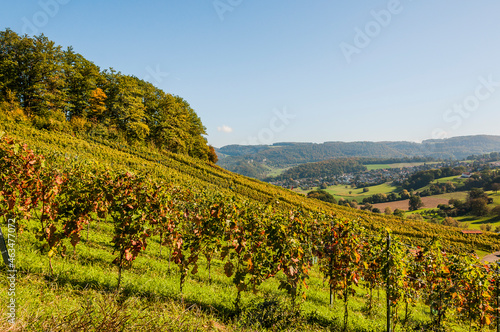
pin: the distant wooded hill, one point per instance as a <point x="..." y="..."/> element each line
<point x="323" y="169"/>
<point x="255" y="160"/>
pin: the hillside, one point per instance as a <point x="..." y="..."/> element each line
<point x="60" y="90"/>
<point x="283" y="155"/>
<point x="204" y="176"/>
<point x="90" y="273"/>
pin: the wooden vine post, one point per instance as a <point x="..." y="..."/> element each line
<point x="498" y="296"/>
<point x="388" y="286"/>
<point x="331" y="264"/>
<point x="3" y="249"/>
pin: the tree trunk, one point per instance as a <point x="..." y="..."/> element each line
<point x="169" y="258"/>
<point x="370" y="305"/>
<point x="161" y="242"/>
<point x="181" y="283"/>
<point x="209" y="274"/>
<point x="406" y="314"/>
<point x="50" y="266"/>
<point x="346" y="309"/>
<point x="120" y="271"/>
<point x="237" y="302"/>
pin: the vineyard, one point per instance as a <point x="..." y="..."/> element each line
<point x="66" y="194"/>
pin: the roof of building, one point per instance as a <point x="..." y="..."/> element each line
<point x="471" y="231"/>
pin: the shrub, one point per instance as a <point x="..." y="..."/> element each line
<point x="399" y="213"/>
<point x="271" y="313"/>
<point x="367" y="207"/>
<point x="449" y="221"/>
<point x="416" y="216"/>
<point x="78" y="124"/>
<point x="496" y="211"/>
<point x="322" y="196"/>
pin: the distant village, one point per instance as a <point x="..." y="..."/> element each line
<point x="396" y="175"/>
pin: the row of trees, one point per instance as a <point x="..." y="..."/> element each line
<point x="423" y="178"/>
<point x="493" y="156"/>
<point x="487" y="179"/>
<point x="60" y="90"/>
<point x="476" y="204"/>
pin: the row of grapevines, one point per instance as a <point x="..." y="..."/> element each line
<point x="256" y="241"/>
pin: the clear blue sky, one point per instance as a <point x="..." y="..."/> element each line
<point x="240" y="62"/>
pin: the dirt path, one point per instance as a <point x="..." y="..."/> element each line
<point x="492" y="257"/>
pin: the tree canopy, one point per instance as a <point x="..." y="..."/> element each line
<point x="60" y="90"/>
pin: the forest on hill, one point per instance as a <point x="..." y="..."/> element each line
<point x="284" y="155"/>
<point x="59" y="90"/>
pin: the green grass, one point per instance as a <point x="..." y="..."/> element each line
<point x="475" y="222"/>
<point x="273" y="171"/>
<point x="461" y="195"/>
<point x="456" y="180"/>
<point x="495" y="196"/>
<point x="340" y="191"/>
<point x="82" y="292"/>
<point x="378" y="166"/>
<point x="398" y="165"/>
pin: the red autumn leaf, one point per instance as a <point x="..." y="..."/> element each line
<point x="11" y="203"/>
<point x="128" y="255"/>
<point x="59" y="180"/>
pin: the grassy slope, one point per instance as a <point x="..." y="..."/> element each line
<point x="474" y="222"/>
<point x="398" y="165"/>
<point x="340" y="191"/>
<point x="194" y="174"/>
<point x="456" y="180"/>
<point x="85" y="285"/>
<point x="150" y="300"/>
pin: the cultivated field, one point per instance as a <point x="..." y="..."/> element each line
<point x="346" y="192"/>
<point x="430" y="202"/>
<point x="398" y="165"/>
